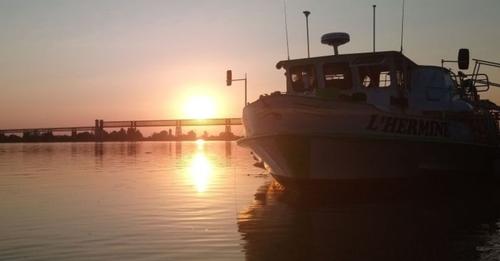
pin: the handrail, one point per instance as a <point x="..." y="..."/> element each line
<point x="489" y="83"/>
<point x="489" y="63"/>
<point x="477" y="66"/>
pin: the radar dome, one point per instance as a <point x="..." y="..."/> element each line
<point x="335" y="40"/>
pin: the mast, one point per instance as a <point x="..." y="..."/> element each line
<point x="374" y="6"/>
<point x="402" y="25"/>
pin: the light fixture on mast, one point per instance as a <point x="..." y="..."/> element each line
<point x="230" y="80"/>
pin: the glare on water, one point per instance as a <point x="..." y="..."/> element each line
<point x="201" y="169"/>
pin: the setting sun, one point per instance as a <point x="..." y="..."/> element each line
<point x="200" y="107"/>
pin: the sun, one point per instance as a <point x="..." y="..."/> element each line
<point x="200" y="107"/>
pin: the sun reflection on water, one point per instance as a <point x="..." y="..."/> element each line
<point x="200" y="169"/>
<point x="200" y="143"/>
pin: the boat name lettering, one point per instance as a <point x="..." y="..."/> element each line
<point x="408" y="126"/>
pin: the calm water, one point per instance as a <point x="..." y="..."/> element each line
<point x="189" y="201"/>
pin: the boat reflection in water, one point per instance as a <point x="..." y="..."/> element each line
<point x="283" y="226"/>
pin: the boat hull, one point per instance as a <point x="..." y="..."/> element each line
<point x="338" y="147"/>
<point x="325" y="158"/>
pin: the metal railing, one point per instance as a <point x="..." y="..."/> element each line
<point x="133" y="124"/>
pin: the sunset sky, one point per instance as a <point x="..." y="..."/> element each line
<point x="65" y="63"/>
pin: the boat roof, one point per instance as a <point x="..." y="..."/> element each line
<point x="342" y="58"/>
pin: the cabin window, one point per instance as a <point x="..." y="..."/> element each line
<point x="375" y="76"/>
<point x="303" y="78"/>
<point x="367" y="81"/>
<point x="400" y="81"/>
<point x="384" y="79"/>
<point x="401" y="71"/>
<point x="337" y="76"/>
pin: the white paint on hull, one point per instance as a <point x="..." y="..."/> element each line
<point x="307" y="138"/>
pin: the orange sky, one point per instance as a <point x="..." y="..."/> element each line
<point x="65" y="63"/>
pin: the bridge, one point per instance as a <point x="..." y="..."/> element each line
<point x="100" y="125"/>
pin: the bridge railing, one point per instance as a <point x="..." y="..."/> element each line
<point x="139" y="123"/>
<point x="164" y="123"/>
<point x="42" y="130"/>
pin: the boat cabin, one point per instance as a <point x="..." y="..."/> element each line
<point x="388" y="80"/>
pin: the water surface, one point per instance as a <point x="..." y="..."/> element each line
<point x="205" y="201"/>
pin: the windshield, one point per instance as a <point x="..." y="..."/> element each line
<point x="303" y="78"/>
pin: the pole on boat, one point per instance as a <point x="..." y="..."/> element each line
<point x="286" y="31"/>
<point x="374" y="6"/>
<point x="402" y="25"/>
<point x="307" y="13"/>
<point x="246" y="89"/>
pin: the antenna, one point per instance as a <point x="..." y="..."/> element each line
<point x="335" y="40"/>
<point x="402" y="25"/>
<point x="307" y="13"/>
<point x="374" y="6"/>
<point x="286" y="31"/>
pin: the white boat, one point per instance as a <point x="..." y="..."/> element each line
<point x="372" y="117"/>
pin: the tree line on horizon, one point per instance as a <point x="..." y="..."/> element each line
<point x="130" y="134"/>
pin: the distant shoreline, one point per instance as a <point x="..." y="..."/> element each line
<point x="115" y="136"/>
<point x="109" y="141"/>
